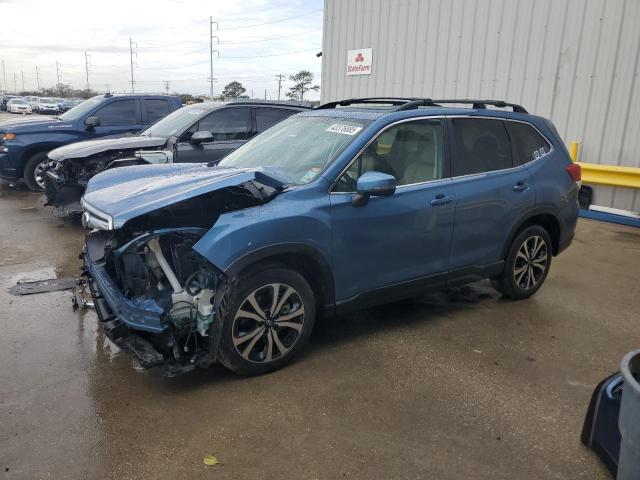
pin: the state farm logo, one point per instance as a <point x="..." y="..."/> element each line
<point x="359" y="61"/>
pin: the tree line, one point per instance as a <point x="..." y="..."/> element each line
<point x="302" y="83"/>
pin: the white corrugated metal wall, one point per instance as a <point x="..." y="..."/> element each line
<point x="574" y="61"/>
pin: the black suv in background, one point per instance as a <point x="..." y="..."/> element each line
<point x="204" y="132"/>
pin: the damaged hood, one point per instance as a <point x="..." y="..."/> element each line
<point x="125" y="193"/>
<point x="91" y="147"/>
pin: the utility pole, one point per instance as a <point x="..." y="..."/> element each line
<point x="87" y="57"/>
<point x="279" y="77"/>
<point x="15" y="85"/>
<point x="108" y="88"/>
<point x="22" y="73"/>
<point x="167" y="83"/>
<point x="4" y="76"/>
<point x="58" y="65"/>
<point x="37" y="78"/>
<point x="131" y="52"/>
<point x="265" y="93"/>
<point x="211" y="50"/>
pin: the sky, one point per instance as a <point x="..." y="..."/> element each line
<point x="256" y="40"/>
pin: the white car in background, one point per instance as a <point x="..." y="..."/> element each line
<point x="33" y="101"/>
<point x="47" y="105"/>
<point x="18" y="105"/>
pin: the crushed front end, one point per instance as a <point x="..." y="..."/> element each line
<point x="66" y="180"/>
<point x="154" y="295"/>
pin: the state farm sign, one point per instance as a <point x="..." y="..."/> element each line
<point x="359" y="61"/>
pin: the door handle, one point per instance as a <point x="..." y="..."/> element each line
<point x="520" y="187"/>
<point x="441" y="199"/>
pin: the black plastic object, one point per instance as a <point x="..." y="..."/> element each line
<point x="629" y="422"/>
<point x="585" y="197"/>
<point x="600" y="431"/>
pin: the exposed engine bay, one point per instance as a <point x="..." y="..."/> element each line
<point x="154" y="294"/>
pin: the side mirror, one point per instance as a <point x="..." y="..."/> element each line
<point x="91" y="122"/>
<point x="373" y="184"/>
<point x="201" y="136"/>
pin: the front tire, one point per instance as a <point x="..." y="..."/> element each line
<point x="267" y="318"/>
<point x="527" y="264"/>
<point x="33" y="172"/>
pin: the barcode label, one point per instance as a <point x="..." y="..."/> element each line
<point x="344" y="129"/>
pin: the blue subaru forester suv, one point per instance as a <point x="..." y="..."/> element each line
<point x="353" y="204"/>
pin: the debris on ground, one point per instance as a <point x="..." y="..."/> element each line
<point x="211" y="460"/>
<point x="43" y="286"/>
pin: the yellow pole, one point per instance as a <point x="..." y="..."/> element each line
<point x="574" y="147"/>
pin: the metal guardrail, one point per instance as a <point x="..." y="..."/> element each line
<point x="611" y="175"/>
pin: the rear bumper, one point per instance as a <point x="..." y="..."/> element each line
<point x="565" y="243"/>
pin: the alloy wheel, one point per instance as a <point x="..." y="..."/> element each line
<point x="268" y="323"/>
<point x="38" y="174"/>
<point x="531" y="262"/>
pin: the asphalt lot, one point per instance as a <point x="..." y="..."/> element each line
<point x="452" y="385"/>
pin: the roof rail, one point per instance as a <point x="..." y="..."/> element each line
<point x="413" y="103"/>
<point x="367" y="100"/>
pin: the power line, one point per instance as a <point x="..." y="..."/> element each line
<point x="274" y="21"/>
<point x="278" y="54"/>
<point x="266" y="39"/>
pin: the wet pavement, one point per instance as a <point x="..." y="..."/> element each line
<point x="453" y="385"/>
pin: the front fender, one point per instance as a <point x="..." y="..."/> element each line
<point x="290" y="223"/>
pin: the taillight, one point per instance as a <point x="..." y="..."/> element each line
<point x="575" y="172"/>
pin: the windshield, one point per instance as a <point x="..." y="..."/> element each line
<point x="175" y="122"/>
<point x="19" y="101"/>
<point x="80" y="110"/>
<point x="299" y="147"/>
<point x="47" y="100"/>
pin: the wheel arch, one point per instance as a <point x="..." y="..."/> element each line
<point x="304" y="259"/>
<point x="547" y="219"/>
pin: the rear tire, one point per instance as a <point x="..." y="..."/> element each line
<point x="261" y="333"/>
<point x="33" y="172"/>
<point x="527" y="264"/>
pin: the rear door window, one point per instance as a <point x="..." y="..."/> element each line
<point x="156" y="109"/>
<point x="266" y="117"/>
<point x="479" y="145"/>
<point x="528" y="143"/>
<point x="118" y="112"/>
<point x="227" y="124"/>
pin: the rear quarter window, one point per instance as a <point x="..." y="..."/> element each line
<point x="156" y="109"/>
<point x="479" y="145"/>
<point x="528" y="144"/>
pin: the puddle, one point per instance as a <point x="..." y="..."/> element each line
<point x="40" y="280"/>
<point x="37" y="275"/>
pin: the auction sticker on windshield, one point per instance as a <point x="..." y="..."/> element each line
<point x="344" y="129"/>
